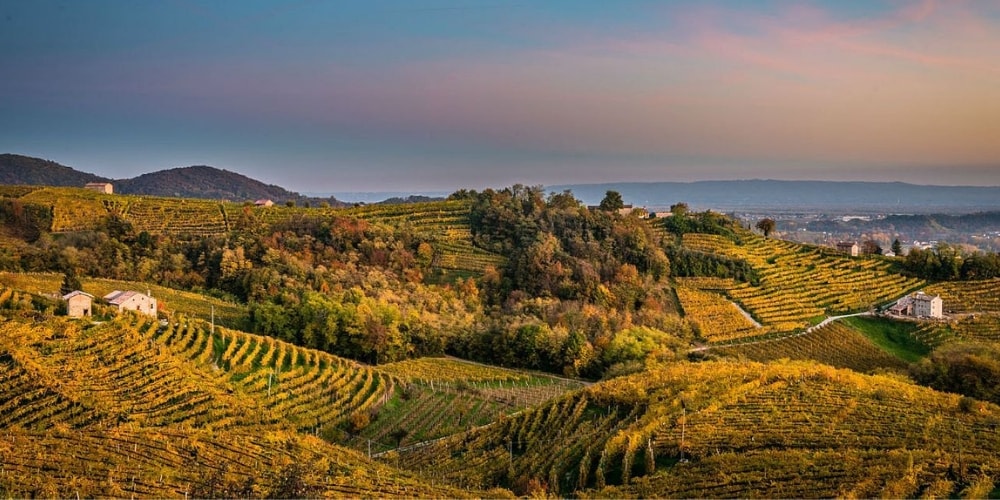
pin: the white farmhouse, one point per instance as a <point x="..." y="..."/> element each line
<point x="919" y="305"/>
<point x="132" y="301"/>
<point x="927" y="306"/>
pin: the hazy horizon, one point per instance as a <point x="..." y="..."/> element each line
<point x="422" y="95"/>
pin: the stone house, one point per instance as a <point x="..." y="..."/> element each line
<point x="79" y="304"/>
<point x="100" y="187"/>
<point x="849" y="247"/>
<point x="132" y="301"/>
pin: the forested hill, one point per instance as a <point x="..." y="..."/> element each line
<point x="18" y="169"/>
<point x="206" y="182"/>
<point x="185" y="182"/>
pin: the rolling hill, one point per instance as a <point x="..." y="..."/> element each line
<point x="134" y="408"/>
<point x="759" y="400"/>
<point x="203" y="182"/>
<point x="724" y="430"/>
<point x="25" y="170"/>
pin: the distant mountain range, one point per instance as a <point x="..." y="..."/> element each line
<point x="185" y="182"/>
<point x="793" y="196"/>
<point x="751" y="196"/>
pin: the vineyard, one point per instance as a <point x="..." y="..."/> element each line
<point x="69" y="384"/>
<point x="444" y="224"/>
<point x="443" y="396"/>
<point x="132" y="406"/>
<point x="801" y="284"/>
<point x="969" y="297"/>
<point x="834" y="344"/>
<point x="778" y="430"/>
<point x="717" y="318"/>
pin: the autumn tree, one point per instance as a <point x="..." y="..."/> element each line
<point x="766" y="226"/>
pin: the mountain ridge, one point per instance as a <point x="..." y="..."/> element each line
<point x="196" y="181"/>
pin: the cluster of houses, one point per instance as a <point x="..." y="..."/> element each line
<point x="919" y="305"/>
<point x="81" y="304"/>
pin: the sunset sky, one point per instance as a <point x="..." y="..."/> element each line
<point x="339" y="95"/>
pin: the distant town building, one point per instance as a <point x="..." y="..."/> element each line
<point x="78" y="304"/>
<point x="919" y="305"/>
<point x="264" y="203"/>
<point x="100" y="187"/>
<point x="849" y="247"/>
<point x="132" y="301"/>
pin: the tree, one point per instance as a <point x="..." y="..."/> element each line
<point x="897" y="247"/>
<point x="766" y="226"/>
<point x="70" y="283"/>
<point x="612" y="202"/>
<point x="679" y="209"/>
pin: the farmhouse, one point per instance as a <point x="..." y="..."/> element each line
<point x="100" y="187"/>
<point x="919" y="305"/>
<point x="849" y="247"/>
<point x="78" y="304"/>
<point x="264" y="203"/>
<point x="926" y="306"/>
<point x="132" y="301"/>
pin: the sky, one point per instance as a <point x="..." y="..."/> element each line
<point x="420" y="95"/>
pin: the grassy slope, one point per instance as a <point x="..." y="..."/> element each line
<point x="896" y="337"/>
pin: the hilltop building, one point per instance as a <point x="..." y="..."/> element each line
<point x="849" y="247"/>
<point x="100" y="187"/>
<point x="624" y="210"/>
<point x="78" y="304"/>
<point x="919" y="305"/>
<point x="132" y="301"/>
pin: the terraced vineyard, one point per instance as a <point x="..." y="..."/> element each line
<point x="175" y="216"/>
<point x="789" y="430"/>
<point x="134" y="407"/>
<point x="834" y="344"/>
<point x="801" y="284"/>
<point x="445" y="224"/>
<point x="444" y="396"/>
<point x="72" y="209"/>
<point x="183" y="462"/>
<point x="968" y="297"/>
<point x="717" y="318"/>
<point x="313" y="390"/>
<point x="983" y="327"/>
